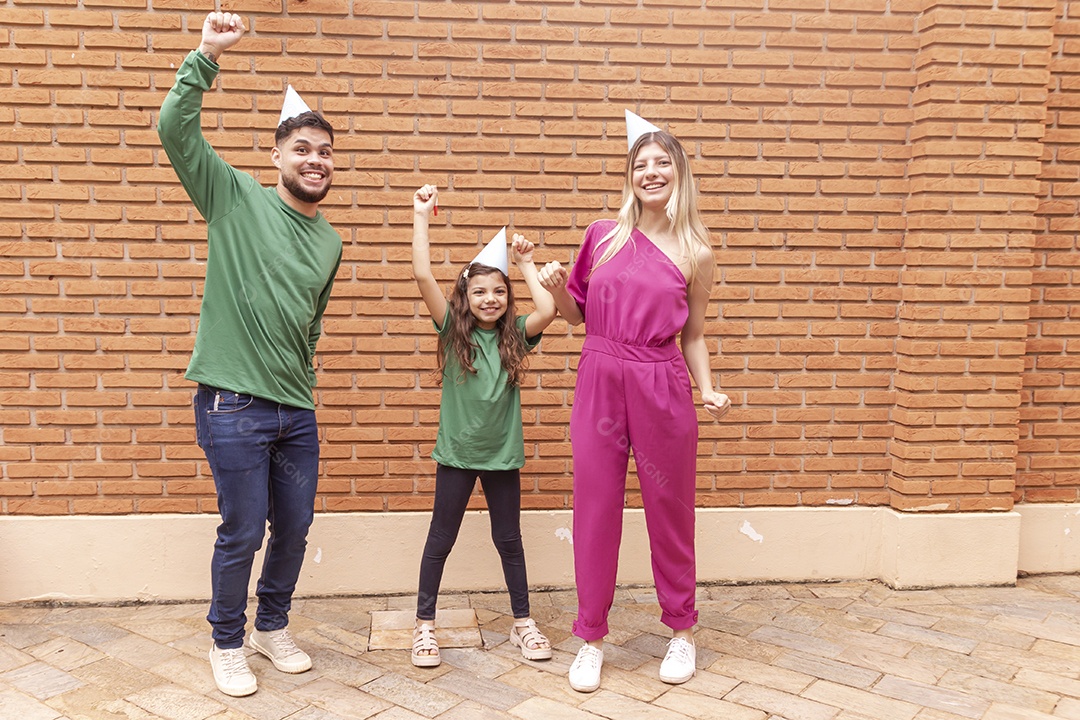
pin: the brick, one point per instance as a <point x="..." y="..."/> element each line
<point x="801" y="124"/>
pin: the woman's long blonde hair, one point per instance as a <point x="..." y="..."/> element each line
<point x="681" y="210"/>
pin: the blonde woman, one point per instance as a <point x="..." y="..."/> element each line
<point x="639" y="281"/>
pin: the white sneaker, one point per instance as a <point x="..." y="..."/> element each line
<point x="231" y="672"/>
<point x="585" y="670"/>
<point x="679" y="664"/>
<point x="278" y="645"/>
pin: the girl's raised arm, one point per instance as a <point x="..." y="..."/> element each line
<point x="538" y="320"/>
<point x="424" y="200"/>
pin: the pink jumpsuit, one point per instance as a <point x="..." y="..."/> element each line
<point x="633" y="391"/>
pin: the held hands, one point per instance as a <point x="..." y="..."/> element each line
<point x="717" y="403"/>
<point x="425" y="199"/>
<point x="522" y="250"/>
<point x="220" y="32"/>
<point x="553" y="276"/>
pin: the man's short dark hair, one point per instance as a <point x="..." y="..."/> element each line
<point x="305" y="119"/>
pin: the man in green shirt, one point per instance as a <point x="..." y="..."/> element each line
<point x="270" y="268"/>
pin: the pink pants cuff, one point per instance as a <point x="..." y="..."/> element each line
<point x="679" y="622"/>
<point x="587" y="633"/>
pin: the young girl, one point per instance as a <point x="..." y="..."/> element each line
<point x="638" y="282"/>
<point x="482" y="349"/>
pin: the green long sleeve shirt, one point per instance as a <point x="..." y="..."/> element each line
<point x="269" y="269"/>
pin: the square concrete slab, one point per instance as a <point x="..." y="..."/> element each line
<point x="454" y="628"/>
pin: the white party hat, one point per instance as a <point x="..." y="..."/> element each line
<point x="636" y="126"/>
<point x="494" y="253"/>
<point x="292" y="106"/>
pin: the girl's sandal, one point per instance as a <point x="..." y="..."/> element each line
<point x="533" y="644"/>
<point x="425" y="648"/>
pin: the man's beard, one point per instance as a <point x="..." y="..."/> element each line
<point x="292" y="183"/>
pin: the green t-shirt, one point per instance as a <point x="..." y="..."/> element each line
<point x="480" y="414"/>
<point x="269" y="269"/>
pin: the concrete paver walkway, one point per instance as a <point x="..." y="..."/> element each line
<point x="839" y="651"/>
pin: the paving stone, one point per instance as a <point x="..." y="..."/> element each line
<point x="343" y="641"/>
<point x="883" y="663"/>
<point x="1068" y="708"/>
<point x="724" y="622"/>
<point x="478" y="662"/>
<point x="1042" y="657"/>
<point x="875" y="641"/>
<point x="797" y="641"/>
<point x="959" y="703"/>
<point x="93" y="634"/>
<point x="837" y="616"/>
<point x="923" y="636"/>
<point x="29" y="614"/>
<point x="982" y="633"/>
<point x="340" y="699"/>
<point x="40" y="680"/>
<point x="22" y="706"/>
<point x="693" y="705"/>
<point x="916" y="597"/>
<point x="764" y="674"/>
<point x="866" y="703"/>
<point x="786" y="705"/>
<point x="613" y="705"/>
<point x="470" y="711"/>
<point x="175" y="703"/>
<point x="643" y="684"/>
<point x="163" y="630"/>
<point x="1050" y="682"/>
<point x="188" y="672"/>
<point x="266" y="704"/>
<point x="821" y="651"/>
<point x="393" y="629"/>
<point x="312" y="712"/>
<point x="709" y="683"/>
<point x="20" y="635"/>
<point x="421" y="698"/>
<point x="999" y="691"/>
<point x="825" y="669"/>
<point x="655" y="646"/>
<point x="95" y="703"/>
<point x="727" y="644"/>
<point x="342" y="668"/>
<point x="11" y="657"/>
<point x="543" y="684"/>
<point x="137" y="650"/>
<point x="65" y="653"/>
<point x="353" y="615"/>
<point x="480" y="690"/>
<point x="397" y="713"/>
<point x="999" y="711"/>
<point x="1055" y="630"/>
<point x="932" y="714"/>
<point x="120" y="677"/>
<point x="888" y="614"/>
<point x="1056" y="649"/>
<point x="544" y="709"/>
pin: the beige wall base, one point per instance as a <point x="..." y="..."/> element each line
<point x="167" y="557"/>
<point x="1049" y="538"/>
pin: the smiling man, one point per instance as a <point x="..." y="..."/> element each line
<point x="270" y="267"/>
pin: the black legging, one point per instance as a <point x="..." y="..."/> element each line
<point x="453" y="486"/>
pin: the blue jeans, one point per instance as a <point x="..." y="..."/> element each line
<point x="265" y="461"/>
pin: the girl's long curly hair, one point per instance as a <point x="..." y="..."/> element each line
<point x="457" y="341"/>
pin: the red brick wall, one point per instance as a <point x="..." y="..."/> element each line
<point x="1049" y="466"/>
<point x="894" y="259"/>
